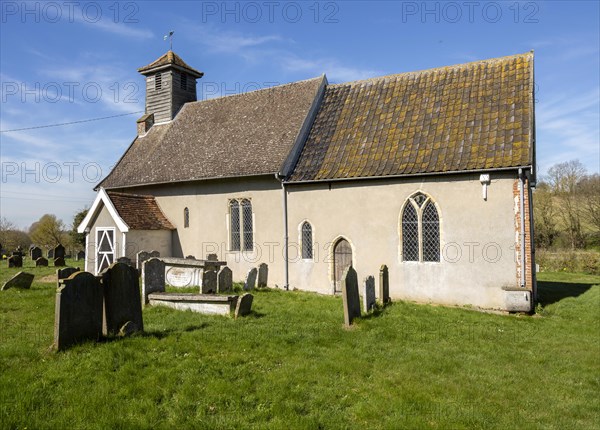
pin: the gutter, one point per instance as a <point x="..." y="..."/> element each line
<point x="522" y="219"/>
<point x="285" y="232"/>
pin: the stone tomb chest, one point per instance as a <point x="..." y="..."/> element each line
<point x="183" y="272"/>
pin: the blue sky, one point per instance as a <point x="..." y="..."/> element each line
<point x="64" y="62"/>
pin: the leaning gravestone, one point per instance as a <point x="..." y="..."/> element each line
<point x="35" y="253"/>
<point x="20" y="280"/>
<point x="59" y="262"/>
<point x="78" y="314"/>
<point x="263" y="275"/>
<point x="122" y="302"/>
<point x="153" y="277"/>
<point x="250" y="283"/>
<point x="224" y="280"/>
<point x="140" y="257"/>
<point x="15" y="261"/>
<point x="41" y="262"/>
<point x="59" y="251"/>
<point x="384" y="284"/>
<point x="368" y="295"/>
<point x="209" y="282"/>
<point x="80" y="255"/>
<point x="244" y="305"/>
<point x="350" y="296"/>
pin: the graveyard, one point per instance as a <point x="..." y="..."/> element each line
<point x="293" y="363"/>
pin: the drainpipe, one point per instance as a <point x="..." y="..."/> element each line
<point x="522" y="209"/>
<point x="285" y="231"/>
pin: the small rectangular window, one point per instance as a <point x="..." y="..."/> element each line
<point x="158" y="81"/>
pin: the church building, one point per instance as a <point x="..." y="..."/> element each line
<point x="428" y="172"/>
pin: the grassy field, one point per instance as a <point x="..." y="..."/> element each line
<point x="291" y="364"/>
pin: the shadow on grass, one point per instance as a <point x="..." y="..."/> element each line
<point x="551" y="292"/>
<point x="378" y="310"/>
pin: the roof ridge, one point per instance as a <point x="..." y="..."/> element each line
<point x="135" y="196"/>
<point x="433" y="69"/>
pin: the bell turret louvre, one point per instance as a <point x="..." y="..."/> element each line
<point x="170" y="83"/>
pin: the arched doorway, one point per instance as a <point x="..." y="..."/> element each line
<point x="342" y="259"/>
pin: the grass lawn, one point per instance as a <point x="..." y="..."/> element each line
<point x="291" y="364"/>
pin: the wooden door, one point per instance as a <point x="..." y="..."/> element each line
<point x="342" y="259"/>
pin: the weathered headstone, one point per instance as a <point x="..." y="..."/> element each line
<point x="122" y="302"/>
<point x="124" y="260"/>
<point x="244" y="305"/>
<point x="208" y="265"/>
<point x="209" y="282"/>
<point x="59" y="251"/>
<point x="59" y="262"/>
<point x="140" y="257"/>
<point x="263" y="275"/>
<point x="368" y="295"/>
<point x="35" y="253"/>
<point x="212" y="257"/>
<point x="20" y="280"/>
<point x="190" y="257"/>
<point x="250" y="283"/>
<point x="15" y="261"/>
<point x="80" y="255"/>
<point x="78" y="313"/>
<point x="384" y="285"/>
<point x="153" y="277"/>
<point x="51" y="254"/>
<point x="66" y="272"/>
<point x="41" y="262"/>
<point x="224" y="280"/>
<point x="154" y="254"/>
<point x="350" y="296"/>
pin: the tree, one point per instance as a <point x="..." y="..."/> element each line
<point x="11" y="237"/>
<point x="48" y="231"/>
<point x="564" y="178"/>
<point x="78" y="239"/>
<point x="589" y="188"/>
<point x="544" y="216"/>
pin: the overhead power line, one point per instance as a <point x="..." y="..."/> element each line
<point x="70" y="123"/>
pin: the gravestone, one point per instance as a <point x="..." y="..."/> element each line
<point x="35" y="253"/>
<point x="263" y="275"/>
<point x="207" y="265"/>
<point x="250" y="283"/>
<point x="244" y="305"/>
<point x="51" y="254"/>
<point x="66" y="272"/>
<point x="124" y="260"/>
<point x="140" y="257"/>
<point x="15" y="261"/>
<point x="209" y="282"/>
<point x="384" y="285"/>
<point x="224" y="280"/>
<point x="154" y="254"/>
<point x="153" y="277"/>
<point x="78" y="312"/>
<point x="368" y="295"/>
<point x="122" y="302"/>
<point x="80" y="255"/>
<point x="41" y="262"/>
<point x="190" y="257"/>
<point x="20" y="280"/>
<point x="59" y="251"/>
<point x="350" y="296"/>
<point x="59" y="262"/>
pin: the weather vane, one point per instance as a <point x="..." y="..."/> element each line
<point x="170" y="37"/>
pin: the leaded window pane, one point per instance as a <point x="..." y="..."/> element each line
<point x="186" y="218"/>
<point x="410" y="233"/>
<point x="307" y="245"/>
<point x="234" y="213"/>
<point x="247" y="219"/>
<point x="431" y="233"/>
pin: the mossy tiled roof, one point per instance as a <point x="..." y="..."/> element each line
<point x="473" y="116"/>
<point x="140" y="212"/>
<point x="169" y="58"/>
